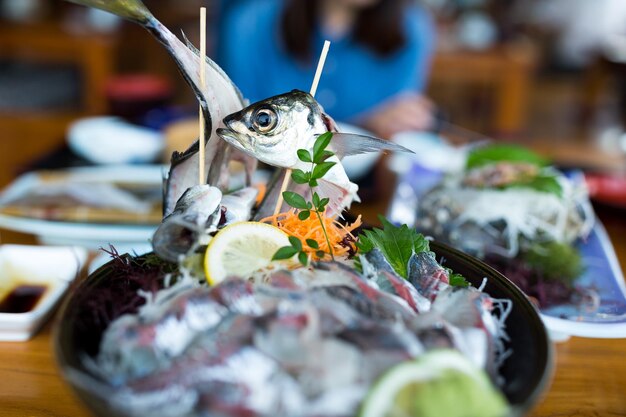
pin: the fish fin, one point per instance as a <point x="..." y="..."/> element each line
<point x="344" y="144"/>
<point x="189" y="44"/>
<point x="340" y="197"/>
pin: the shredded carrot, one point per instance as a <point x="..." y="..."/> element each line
<point x="261" y="195"/>
<point x="340" y="236"/>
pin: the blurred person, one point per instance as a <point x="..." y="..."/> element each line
<point x="376" y="69"/>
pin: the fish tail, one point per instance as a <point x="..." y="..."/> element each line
<point x="133" y="10"/>
<point x="136" y="11"/>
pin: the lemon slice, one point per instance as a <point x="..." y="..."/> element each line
<point x="439" y="383"/>
<point x="241" y="249"/>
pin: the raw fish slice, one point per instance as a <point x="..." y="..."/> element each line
<point x="238" y="296"/>
<point x="470" y="309"/>
<point x="376" y="309"/>
<point x="396" y="285"/>
<point x="427" y="275"/>
<point x="137" y="345"/>
<point x="382" y="345"/>
<point x="219" y="378"/>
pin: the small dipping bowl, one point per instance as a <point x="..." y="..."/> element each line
<point x="32" y="280"/>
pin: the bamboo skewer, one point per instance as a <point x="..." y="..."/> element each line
<point x="316" y="81"/>
<point x="201" y="157"/>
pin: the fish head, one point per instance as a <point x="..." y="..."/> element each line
<point x="272" y="130"/>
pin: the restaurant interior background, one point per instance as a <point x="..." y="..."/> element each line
<point x="542" y="72"/>
<point x="549" y="74"/>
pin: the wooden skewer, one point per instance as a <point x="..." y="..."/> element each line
<point x="316" y="81"/>
<point x="201" y="157"/>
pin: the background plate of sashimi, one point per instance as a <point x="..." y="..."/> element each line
<point x="602" y="271"/>
<point x="526" y="372"/>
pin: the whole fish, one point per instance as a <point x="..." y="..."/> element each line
<point x="272" y="130"/>
<point x="218" y="99"/>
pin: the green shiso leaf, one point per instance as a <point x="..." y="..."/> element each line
<point x="491" y="154"/>
<point x="544" y="182"/>
<point x="396" y="243"/>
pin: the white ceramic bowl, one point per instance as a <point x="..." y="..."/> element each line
<point x="52" y="267"/>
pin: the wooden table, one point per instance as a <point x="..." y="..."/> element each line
<point x="590" y="376"/>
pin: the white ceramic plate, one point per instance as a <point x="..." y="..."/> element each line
<point x="89" y="235"/>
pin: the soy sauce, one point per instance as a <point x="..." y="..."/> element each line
<point x="22" y="299"/>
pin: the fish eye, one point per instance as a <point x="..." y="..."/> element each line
<point x="264" y="120"/>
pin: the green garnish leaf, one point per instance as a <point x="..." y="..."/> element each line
<point x="556" y="261"/>
<point x="491" y="154"/>
<point x="396" y="243"/>
<point x="364" y="244"/>
<point x="320" y="254"/>
<point x="295" y="200"/>
<point x="320" y="145"/>
<point x="543" y="182"/>
<point x="285" y="252"/>
<point x="326" y="155"/>
<point x="295" y="243"/>
<point x="316" y="199"/>
<point x="321" y="169"/>
<point x="300" y="177"/>
<point x="312" y="243"/>
<point x="304" y="155"/>
<point x="457" y="280"/>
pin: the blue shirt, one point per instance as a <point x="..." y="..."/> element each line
<point x="354" y="79"/>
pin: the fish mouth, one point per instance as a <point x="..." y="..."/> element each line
<point x="232" y="138"/>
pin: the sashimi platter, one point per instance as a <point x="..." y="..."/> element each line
<point x="264" y="301"/>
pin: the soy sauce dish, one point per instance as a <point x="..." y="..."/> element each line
<point x="32" y="280"/>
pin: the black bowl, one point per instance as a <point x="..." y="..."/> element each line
<point x="526" y="373"/>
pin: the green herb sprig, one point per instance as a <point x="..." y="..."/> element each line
<point x="319" y="167"/>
